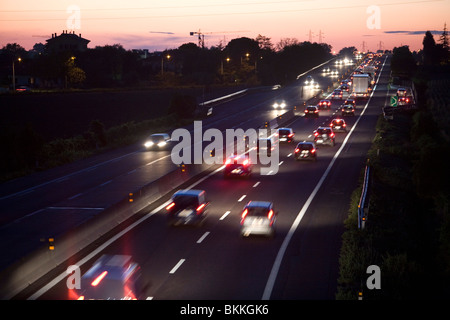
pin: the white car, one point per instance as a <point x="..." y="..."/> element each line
<point x="279" y="105"/>
<point x="157" y="141"/>
<point x="258" y="217"/>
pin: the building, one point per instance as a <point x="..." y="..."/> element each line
<point x="67" y="41"/>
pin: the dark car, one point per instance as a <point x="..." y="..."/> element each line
<point x="258" y="217"/>
<point x="187" y="207"/>
<point x="338" y="125"/>
<point x="305" y="151"/>
<point x="312" y="111"/>
<point x="348" y="110"/>
<point x="350" y="101"/>
<point x="237" y="166"/>
<point x="112" y="277"/>
<point x="285" y="134"/>
<point x="337" y="94"/>
<point x="324" y="104"/>
<point x="324" y="135"/>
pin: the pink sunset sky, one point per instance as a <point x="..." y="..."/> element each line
<point x="159" y="25"/>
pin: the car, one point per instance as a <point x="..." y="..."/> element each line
<point x="324" y="104"/>
<point x="112" y="277"/>
<point x="258" y="217"/>
<point x="344" y="87"/>
<point x="157" y="141"/>
<point x="237" y="166"/>
<point x="309" y="80"/>
<point x="347" y="110"/>
<point x="404" y="100"/>
<point x="279" y="105"/>
<point x="337" y="94"/>
<point x="285" y="134"/>
<point x="350" y="101"/>
<point x="312" y="111"/>
<point x="324" y="135"/>
<point x="305" y="150"/>
<point x="187" y="207"/>
<point x="401" y="92"/>
<point x="338" y="125"/>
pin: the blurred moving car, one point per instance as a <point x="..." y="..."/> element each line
<point x="285" y="134"/>
<point x="158" y="141"/>
<point x="305" y="151"/>
<point x="337" y="94"/>
<point x="112" y="277"/>
<point x="309" y="80"/>
<point x="187" y="207"/>
<point x="258" y="217"/>
<point x="347" y="110"/>
<point x="279" y="105"/>
<point x="338" y="125"/>
<point x="324" y="104"/>
<point x="238" y="166"/>
<point x="312" y="111"/>
<point x="324" y="135"/>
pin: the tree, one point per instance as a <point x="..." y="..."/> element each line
<point x="403" y="62"/>
<point x="429" y="49"/>
<point x="264" y="43"/>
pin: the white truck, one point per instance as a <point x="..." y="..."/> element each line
<point x="370" y="70"/>
<point x="361" y="85"/>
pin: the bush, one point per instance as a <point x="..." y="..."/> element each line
<point x="183" y="106"/>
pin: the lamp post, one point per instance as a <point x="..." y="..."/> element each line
<point x="14" y="73"/>
<point x="162" y="63"/>
<point x="221" y="65"/>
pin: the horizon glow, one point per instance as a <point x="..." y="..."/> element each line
<point x="156" y="26"/>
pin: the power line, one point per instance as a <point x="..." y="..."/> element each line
<point x="223" y="13"/>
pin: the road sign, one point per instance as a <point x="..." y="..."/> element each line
<point x="394" y="101"/>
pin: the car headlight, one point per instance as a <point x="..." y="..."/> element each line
<point x="161" y="144"/>
<point x="148" y="144"/>
<point x="282" y="105"/>
<point x="275" y="105"/>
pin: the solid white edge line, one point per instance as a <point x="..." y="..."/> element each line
<point x="277" y="263"/>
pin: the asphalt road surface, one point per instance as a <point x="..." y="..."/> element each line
<point x="212" y="261"/>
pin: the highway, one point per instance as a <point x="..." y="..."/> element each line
<point x="48" y="204"/>
<point x="213" y="262"/>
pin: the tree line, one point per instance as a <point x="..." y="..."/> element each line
<point x="242" y="61"/>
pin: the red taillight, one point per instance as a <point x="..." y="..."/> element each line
<point x="290" y="135"/>
<point x="200" y="207"/>
<point x="170" y="206"/>
<point x="246" y="162"/>
<point x="316" y="111"/>
<point x="313" y="151"/>
<point x="270" y="214"/>
<point x="332" y="135"/>
<point x="344" y="125"/>
<point x="306" y="111"/>
<point x="296" y="150"/>
<point x="99" y="279"/>
<point x="244" y="213"/>
<point x="316" y="134"/>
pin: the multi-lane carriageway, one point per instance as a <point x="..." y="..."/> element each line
<point x="214" y="262"/>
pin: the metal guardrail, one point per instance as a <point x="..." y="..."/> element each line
<point x="363" y="200"/>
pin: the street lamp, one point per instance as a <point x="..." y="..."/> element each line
<point x="162" y="63"/>
<point x="221" y="64"/>
<point x="14" y="73"/>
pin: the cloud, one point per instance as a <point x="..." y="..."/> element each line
<point x="413" y="33"/>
